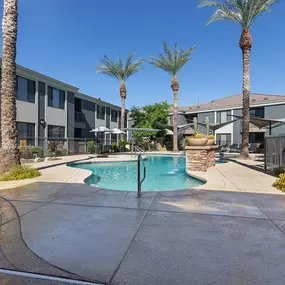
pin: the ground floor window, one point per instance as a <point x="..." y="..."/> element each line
<point x="114" y="138"/>
<point x="101" y="137"/>
<point x="56" y="132"/>
<point x="77" y="133"/>
<point x="256" y="137"/>
<point x="223" y="139"/>
<point x="26" y="133"/>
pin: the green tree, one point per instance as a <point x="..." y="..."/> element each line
<point x="242" y="12"/>
<point x="172" y="61"/>
<point x="9" y="153"/>
<point x="120" y="71"/>
<point x="151" y="117"/>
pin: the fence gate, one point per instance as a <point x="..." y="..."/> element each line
<point x="274" y="152"/>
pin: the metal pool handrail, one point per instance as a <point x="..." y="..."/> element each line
<point x="137" y="150"/>
<point x="140" y="182"/>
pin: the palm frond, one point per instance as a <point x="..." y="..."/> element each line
<point x="171" y="61"/>
<point x="243" y="12"/>
<point x="119" y="70"/>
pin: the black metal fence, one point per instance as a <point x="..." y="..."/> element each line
<point x="71" y="145"/>
<point x="274" y="152"/>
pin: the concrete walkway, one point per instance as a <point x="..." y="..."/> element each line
<point x="230" y="230"/>
<point x="200" y="237"/>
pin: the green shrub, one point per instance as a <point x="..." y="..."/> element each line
<point x="49" y="152"/>
<point x="145" y="145"/>
<point x="29" y="152"/>
<point x="91" y="147"/>
<point x="211" y="137"/>
<point x="114" y="147"/>
<point x="122" y="144"/>
<point x="62" y="152"/>
<point x="280" y="183"/>
<point x="20" y="172"/>
<point x="278" y="170"/>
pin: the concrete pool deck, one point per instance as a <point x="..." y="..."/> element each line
<point x="228" y="231"/>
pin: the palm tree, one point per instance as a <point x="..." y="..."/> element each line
<point x="172" y="61"/>
<point x="9" y="153"/>
<point x="121" y="72"/>
<point x="242" y="12"/>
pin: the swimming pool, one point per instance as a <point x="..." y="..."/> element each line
<point x="163" y="173"/>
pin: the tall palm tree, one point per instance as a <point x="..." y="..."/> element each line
<point x="242" y="12"/>
<point x="9" y="153"/>
<point x="121" y="72"/>
<point x="172" y="61"/>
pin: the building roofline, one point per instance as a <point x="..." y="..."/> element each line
<point x="232" y="107"/>
<point x="31" y="74"/>
<point x="24" y="71"/>
<point x="206" y="107"/>
<point x="96" y="100"/>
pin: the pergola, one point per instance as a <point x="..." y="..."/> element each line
<point x="264" y="123"/>
<point x="136" y="130"/>
<point x="213" y="127"/>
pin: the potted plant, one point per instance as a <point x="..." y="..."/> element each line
<point x="197" y="140"/>
<point x="211" y="140"/>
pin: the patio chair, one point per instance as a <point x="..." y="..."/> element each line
<point x="254" y="148"/>
<point x="234" y="147"/>
<point x="222" y="148"/>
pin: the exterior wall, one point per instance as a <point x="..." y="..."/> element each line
<point x="70" y="118"/>
<point x="201" y="117"/>
<point x="108" y="117"/>
<point x="56" y="117"/>
<point x="27" y="112"/>
<point x="42" y="115"/>
<point x="88" y="109"/>
<point x="99" y="122"/>
<point x="275" y="112"/>
<point x="237" y="136"/>
<point x="114" y="124"/>
<point x="181" y="120"/>
<point x="228" y="129"/>
<point x="41" y="108"/>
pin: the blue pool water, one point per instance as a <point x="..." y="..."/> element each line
<point x="163" y="173"/>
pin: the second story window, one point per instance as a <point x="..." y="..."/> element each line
<point x="56" y="98"/>
<point x="26" y="89"/>
<point x="101" y="112"/>
<point x="257" y="112"/>
<point x="114" y="115"/>
<point x="223" y="117"/>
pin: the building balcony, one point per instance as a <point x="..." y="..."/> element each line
<point x="79" y="117"/>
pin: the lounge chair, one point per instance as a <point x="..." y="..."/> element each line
<point x="234" y="148"/>
<point x="254" y="148"/>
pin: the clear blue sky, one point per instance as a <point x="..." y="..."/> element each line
<point x="65" y="38"/>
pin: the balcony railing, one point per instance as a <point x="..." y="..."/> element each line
<point x="79" y="117"/>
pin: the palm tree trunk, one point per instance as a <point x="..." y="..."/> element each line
<point x="245" y="44"/>
<point x="123" y="94"/>
<point x="9" y="153"/>
<point x="175" y="88"/>
<point x="123" y="113"/>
